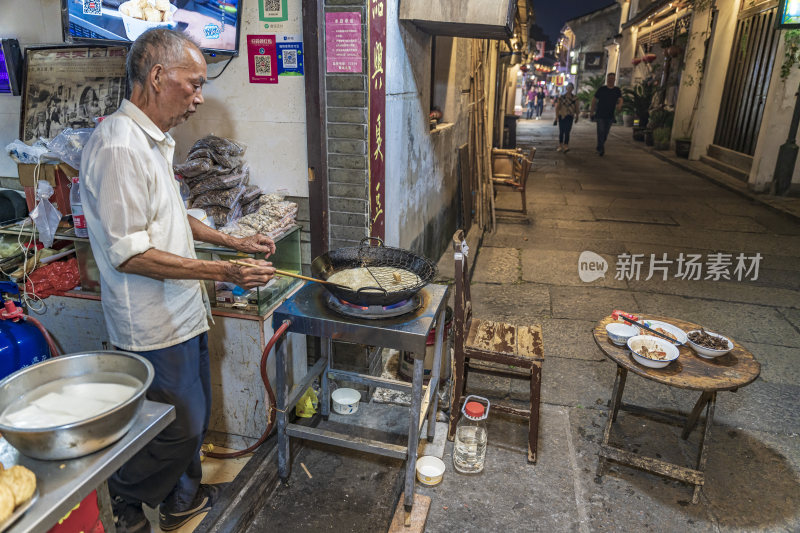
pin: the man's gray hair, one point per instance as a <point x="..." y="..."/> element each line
<point x="159" y="45"/>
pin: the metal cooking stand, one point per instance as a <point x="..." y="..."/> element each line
<point x="309" y="315"/>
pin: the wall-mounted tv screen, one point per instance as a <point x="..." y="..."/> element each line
<point x="213" y="24"/>
<point x="10" y="67"/>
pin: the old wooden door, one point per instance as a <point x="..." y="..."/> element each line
<point x="747" y="81"/>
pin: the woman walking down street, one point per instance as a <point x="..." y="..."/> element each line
<point x="540" y="96"/>
<point x="531" y="102"/>
<point x="566" y="114"/>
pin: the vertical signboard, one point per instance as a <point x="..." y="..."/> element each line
<point x="376" y="16"/>
<point x="343" y="42"/>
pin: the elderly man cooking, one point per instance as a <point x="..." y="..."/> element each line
<point x="154" y="303"/>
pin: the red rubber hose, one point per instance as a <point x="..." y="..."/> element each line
<point x="270" y="395"/>
<point x="47" y="337"/>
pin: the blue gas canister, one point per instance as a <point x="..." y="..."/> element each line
<point x="21" y="344"/>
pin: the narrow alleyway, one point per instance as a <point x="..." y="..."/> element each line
<point x="626" y="202"/>
<point x="631" y="202"/>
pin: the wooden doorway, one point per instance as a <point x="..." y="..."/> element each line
<point x="747" y="81"/>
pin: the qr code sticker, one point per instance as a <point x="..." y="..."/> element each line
<point x="290" y="58"/>
<point x="263" y="65"/>
<point x="273" y="8"/>
<point x="91" y="7"/>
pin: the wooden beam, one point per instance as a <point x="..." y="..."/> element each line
<point x="316" y="132"/>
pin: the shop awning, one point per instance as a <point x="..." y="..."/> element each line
<point x="472" y="19"/>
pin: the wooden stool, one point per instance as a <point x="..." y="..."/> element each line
<point x="477" y="340"/>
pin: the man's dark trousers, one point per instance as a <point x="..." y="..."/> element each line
<point x="603" y="127"/>
<point x="169" y="465"/>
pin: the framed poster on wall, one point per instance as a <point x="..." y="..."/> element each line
<point x="68" y="87"/>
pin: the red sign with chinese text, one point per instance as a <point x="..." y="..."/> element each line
<point x="376" y="15"/>
<point x="262" y="58"/>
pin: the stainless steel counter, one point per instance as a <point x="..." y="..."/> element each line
<point x="63" y="484"/>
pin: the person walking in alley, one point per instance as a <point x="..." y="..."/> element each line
<point x="606" y="103"/>
<point x="531" y="102"/>
<point x="566" y="113"/>
<point x="540" y="96"/>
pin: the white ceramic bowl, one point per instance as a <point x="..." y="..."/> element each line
<point x="680" y="335"/>
<point x="135" y="27"/>
<point x="652" y="343"/>
<point x="619" y="333"/>
<point x="345" y="401"/>
<point x="430" y="470"/>
<point x="710" y="353"/>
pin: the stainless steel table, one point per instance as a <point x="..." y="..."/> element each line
<point x="60" y="489"/>
<point x="308" y="314"/>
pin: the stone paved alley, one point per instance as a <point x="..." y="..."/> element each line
<point x="528" y="274"/>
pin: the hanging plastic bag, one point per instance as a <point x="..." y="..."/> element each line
<point x="68" y="145"/>
<point x="22" y="153"/>
<point x="45" y="216"/>
<point x="307" y="404"/>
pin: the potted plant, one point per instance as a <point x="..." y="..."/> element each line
<point x="682" y="147"/>
<point x="661" y="138"/>
<point x="637" y="99"/>
<point x="587" y="91"/>
<point x="661" y="118"/>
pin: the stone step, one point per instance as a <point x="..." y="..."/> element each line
<point x="727" y="169"/>
<point x="730" y="157"/>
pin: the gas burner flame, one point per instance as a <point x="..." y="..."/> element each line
<point x="384" y="307"/>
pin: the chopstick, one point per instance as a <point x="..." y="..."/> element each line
<point x="638" y="324"/>
<point x="282" y="272"/>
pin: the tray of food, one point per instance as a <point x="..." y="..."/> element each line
<point x="18" y="493"/>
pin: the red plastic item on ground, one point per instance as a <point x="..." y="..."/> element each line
<point x="84" y="517"/>
<point x="55" y="278"/>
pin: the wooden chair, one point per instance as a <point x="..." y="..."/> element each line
<point x="477" y="340"/>
<point x="510" y="168"/>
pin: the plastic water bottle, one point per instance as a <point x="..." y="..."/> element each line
<point x="469" y="450"/>
<point x="78" y="220"/>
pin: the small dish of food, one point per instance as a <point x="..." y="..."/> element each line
<point x="708" y="344"/>
<point x="652" y="352"/>
<point x="674" y="332"/>
<point x="619" y="333"/>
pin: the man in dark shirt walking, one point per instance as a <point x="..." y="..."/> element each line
<point x="606" y="103"/>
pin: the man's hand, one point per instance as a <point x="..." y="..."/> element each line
<point x="255" y="244"/>
<point x="249" y="277"/>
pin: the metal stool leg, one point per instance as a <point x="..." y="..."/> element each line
<point x="413" y="431"/>
<point x="326" y="346"/>
<point x="282" y="395"/>
<point x="435" y="371"/>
